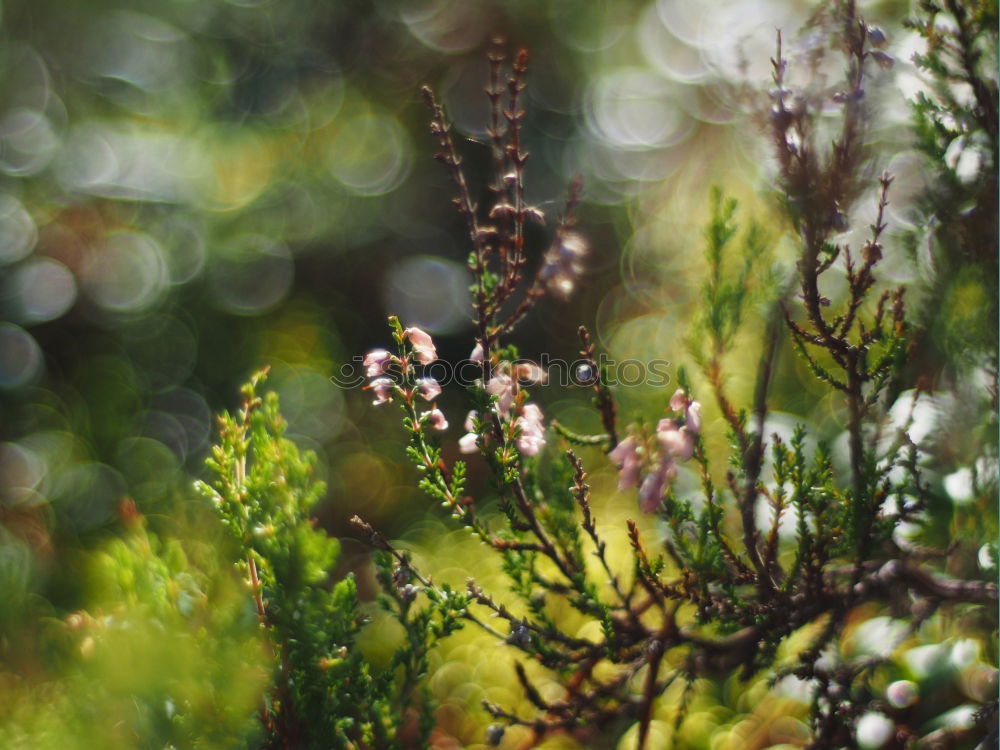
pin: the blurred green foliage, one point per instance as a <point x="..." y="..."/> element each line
<point x="166" y="654"/>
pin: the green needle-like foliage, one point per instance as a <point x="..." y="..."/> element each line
<point x="324" y="692"/>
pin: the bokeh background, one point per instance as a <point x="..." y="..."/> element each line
<point x="191" y="190"/>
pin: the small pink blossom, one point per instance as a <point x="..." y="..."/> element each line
<point x="679" y="400"/>
<point x="678" y="443"/>
<point x="529" y="372"/>
<point x="665" y="425"/>
<point x="422" y="343"/>
<point x="532" y="436"/>
<point x="692" y="417"/>
<point x="531" y="413"/>
<point x="376" y="362"/>
<point x="477" y="353"/>
<point x="429" y="388"/>
<point x="382" y="388"/>
<point x="653" y="486"/>
<point x="626" y="455"/>
<point x="502" y="387"/>
<point x="436" y="420"/>
<point x="419" y="337"/>
<point x="467" y="443"/>
<point x="530" y="444"/>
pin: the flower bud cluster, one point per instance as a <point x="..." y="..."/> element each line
<point x="563" y="263"/>
<point x="528" y="418"/>
<point x="378" y="361"/>
<point x="654" y="469"/>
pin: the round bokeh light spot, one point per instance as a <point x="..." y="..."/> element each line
<point x="370" y="155"/>
<point x="18" y="232"/>
<point x="20" y="356"/>
<point x="429" y="292"/>
<point x="43" y="289"/>
<point x="126" y="273"/>
<point x="251" y="274"/>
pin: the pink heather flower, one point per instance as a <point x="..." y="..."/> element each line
<point x="422" y="343"/>
<point x="382" y="388"/>
<point x="679" y="400"/>
<point x="437" y="420"/>
<point x="651" y="491"/>
<point x="531" y="413"/>
<point x="467" y="443"/>
<point x="502" y="387"/>
<point x="470" y="420"/>
<point x="530" y="444"/>
<point x="377" y="362"/>
<point x="477" y="353"/>
<point x="677" y="443"/>
<point x="419" y="337"/>
<point x="429" y="388"/>
<point x="532" y="436"/>
<point x="692" y="418"/>
<point x="529" y="372"/>
<point x="626" y="455"/>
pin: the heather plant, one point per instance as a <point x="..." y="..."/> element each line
<point x="809" y="556"/>
<point x="323" y="693"/>
<point x="955" y="122"/>
<point x="715" y="590"/>
<point x="790" y="542"/>
<point x="165" y="643"/>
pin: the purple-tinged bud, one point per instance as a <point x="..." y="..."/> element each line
<point x="876" y="36"/>
<point x="692" y="417"/>
<point x="679" y="401"/>
<point x="676" y="443"/>
<point x="626" y="456"/>
<point x="651" y="491"/>
<point x="884" y="59"/>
